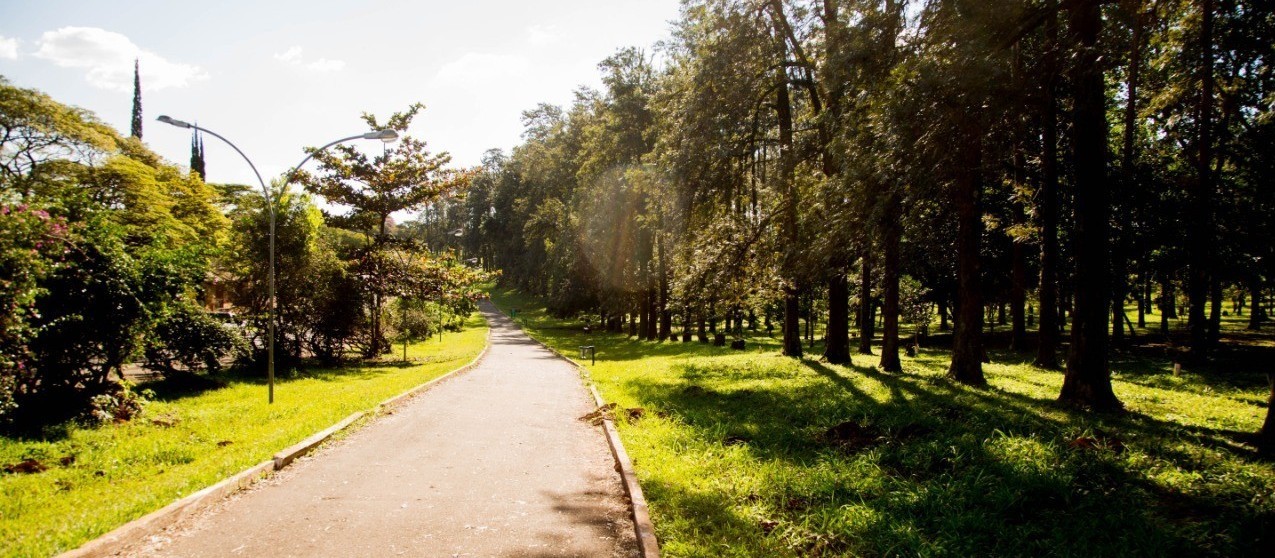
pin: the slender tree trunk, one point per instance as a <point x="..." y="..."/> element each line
<point x="867" y="319"/>
<point x="788" y="191"/>
<point x="810" y="325"/>
<point x="1166" y="303"/>
<point x="837" y="349"/>
<point x="1144" y="295"/>
<point x="686" y="325"/>
<point x="967" y="341"/>
<point x="1255" y="291"/>
<point x="1200" y="241"/>
<point x="1087" y="381"/>
<point x="890" y="287"/>
<point x="1119" y="285"/>
<point x="943" y="313"/>
<point x="1047" y="340"/>
<point x="702" y="330"/>
<point x="666" y="316"/>
<point x="644" y="313"/>
<point x="1215" y="311"/>
<point x="1018" y="265"/>
<point x="1120" y="252"/>
<point x="649" y="328"/>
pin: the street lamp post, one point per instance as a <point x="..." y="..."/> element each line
<point x="386" y="136"/>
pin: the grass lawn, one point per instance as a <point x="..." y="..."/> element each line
<point x="753" y="454"/>
<point x="187" y="439"/>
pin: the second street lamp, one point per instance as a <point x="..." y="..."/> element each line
<point x="386" y="136"/>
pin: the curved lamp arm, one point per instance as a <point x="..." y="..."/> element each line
<point x="183" y="124"/>
<point x="386" y="136"/>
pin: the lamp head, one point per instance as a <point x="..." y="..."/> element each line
<point x="173" y="121"/>
<point x="387" y="136"/>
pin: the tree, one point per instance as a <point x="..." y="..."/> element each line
<point x="36" y="131"/>
<point x="1087" y="381"/>
<point x="197" y="164"/>
<point x="402" y="178"/>
<point x="137" y="102"/>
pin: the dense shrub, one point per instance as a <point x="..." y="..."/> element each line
<point x="334" y="319"/>
<point x="188" y="339"/>
<point x="30" y="249"/>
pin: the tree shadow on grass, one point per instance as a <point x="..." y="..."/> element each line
<point x="967" y="471"/>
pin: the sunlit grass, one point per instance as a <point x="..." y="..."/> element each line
<point x="189" y="439"/>
<point x="733" y="454"/>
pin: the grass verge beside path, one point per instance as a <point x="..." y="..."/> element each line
<point x="190" y="438"/>
<point x="753" y="454"/>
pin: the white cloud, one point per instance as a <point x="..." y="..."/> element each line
<point x="482" y="68"/>
<point x="541" y="35"/>
<point x="8" y="48"/>
<point x="108" y="57"/>
<point x="293" y="57"/>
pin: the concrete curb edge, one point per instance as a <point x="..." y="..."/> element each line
<point x="648" y="544"/>
<point x="131" y="532"/>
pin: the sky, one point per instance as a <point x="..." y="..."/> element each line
<point x="277" y="76"/>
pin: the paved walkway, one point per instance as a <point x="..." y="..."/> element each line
<point x="493" y="462"/>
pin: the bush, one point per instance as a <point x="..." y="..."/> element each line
<point x="30" y="250"/>
<point x="415" y="319"/>
<point x="335" y="315"/>
<point x="192" y="339"/>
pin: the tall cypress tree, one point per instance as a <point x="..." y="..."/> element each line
<point x="197" y="154"/>
<point x="137" y="102"/>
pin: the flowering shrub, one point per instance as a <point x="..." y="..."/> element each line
<point x="32" y="245"/>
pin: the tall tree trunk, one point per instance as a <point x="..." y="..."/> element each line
<point x="967" y="341"/>
<point x="1119" y="285"/>
<point x="1047" y="340"/>
<point x="1200" y="241"/>
<point x="1018" y="266"/>
<point x="1166" y="303"/>
<point x="890" y="286"/>
<point x="666" y="316"/>
<point x="1255" y="292"/>
<point x="837" y="349"/>
<point x="1144" y="295"/>
<point x="1120" y="253"/>
<point x="1087" y="381"/>
<point x="788" y="190"/>
<point x="943" y="313"/>
<point x="1215" y="311"/>
<point x="867" y="320"/>
<point x="649" y="330"/>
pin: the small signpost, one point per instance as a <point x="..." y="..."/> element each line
<point x="587" y="351"/>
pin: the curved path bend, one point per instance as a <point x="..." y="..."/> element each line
<point x="491" y="462"/>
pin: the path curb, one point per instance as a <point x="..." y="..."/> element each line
<point x="648" y="545"/>
<point x="133" y="531"/>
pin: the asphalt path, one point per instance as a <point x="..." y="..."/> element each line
<point x="492" y="462"/>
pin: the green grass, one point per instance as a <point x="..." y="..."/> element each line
<point x="122" y="472"/>
<point x="734" y="456"/>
